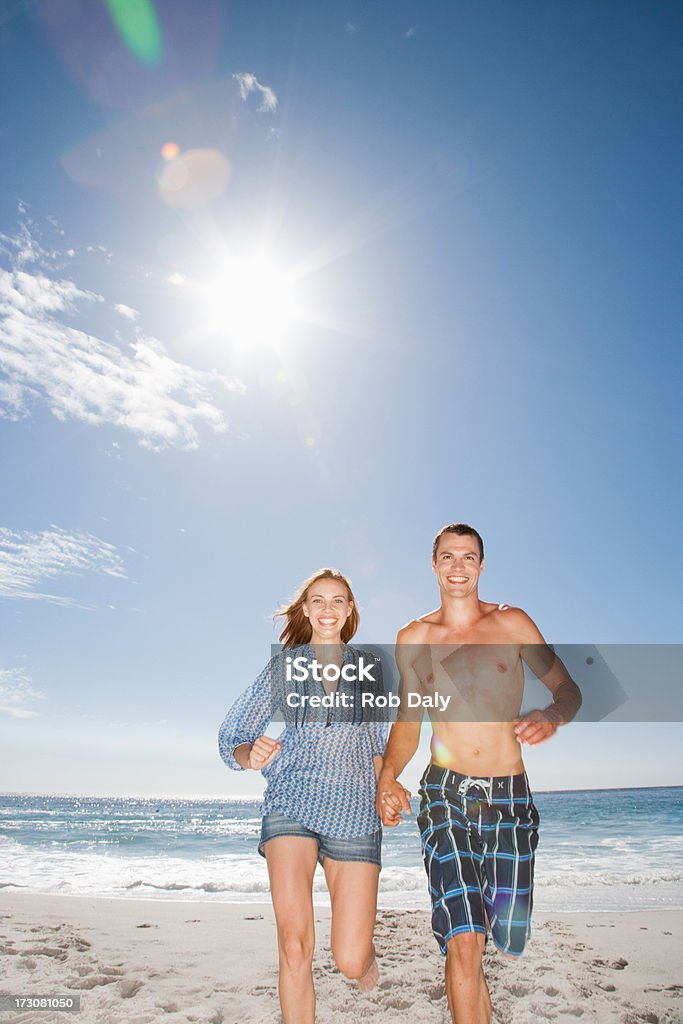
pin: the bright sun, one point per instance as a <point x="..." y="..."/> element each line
<point x="252" y="300"/>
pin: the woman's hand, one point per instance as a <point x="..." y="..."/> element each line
<point x="392" y="799"/>
<point x="263" y="751"/>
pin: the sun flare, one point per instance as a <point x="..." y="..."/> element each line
<point x="252" y="300"/>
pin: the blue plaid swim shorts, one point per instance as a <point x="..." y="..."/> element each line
<point x="479" y="837"/>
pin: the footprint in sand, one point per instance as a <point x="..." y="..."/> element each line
<point x="91" y="982"/>
<point x="130" y="987"/>
<point x="53" y="951"/>
<point x="544" y="1012"/>
<point x="397" y="1003"/>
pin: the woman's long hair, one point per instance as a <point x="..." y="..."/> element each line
<point x="298" y="629"/>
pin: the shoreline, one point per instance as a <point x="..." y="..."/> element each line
<point x="141" y="960"/>
<point x="320" y="901"/>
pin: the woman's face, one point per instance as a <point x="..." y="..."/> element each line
<point x="328" y="606"/>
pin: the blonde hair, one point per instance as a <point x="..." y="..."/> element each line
<point x="298" y="629"/>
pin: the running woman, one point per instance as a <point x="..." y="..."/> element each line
<point x="321" y="773"/>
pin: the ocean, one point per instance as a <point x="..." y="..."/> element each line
<point x="599" y="850"/>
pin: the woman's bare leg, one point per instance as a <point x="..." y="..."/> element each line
<point x="353" y="891"/>
<point x="291" y="865"/>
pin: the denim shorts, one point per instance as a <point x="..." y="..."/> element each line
<point x="366" y="849"/>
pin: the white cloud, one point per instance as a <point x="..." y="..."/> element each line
<point x="127" y="311"/>
<point x="15" y="692"/>
<point x="351" y="28"/>
<point x="30" y="560"/>
<point x="411" y="32"/>
<point x="249" y="83"/>
<point x="79" y="376"/>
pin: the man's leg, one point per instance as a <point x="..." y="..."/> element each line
<point x="453" y="857"/>
<point x="509" y="869"/>
<point x="466" y="989"/>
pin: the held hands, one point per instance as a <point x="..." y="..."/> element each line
<point x="536" y="727"/>
<point x="263" y="751"/>
<point x="392" y="799"/>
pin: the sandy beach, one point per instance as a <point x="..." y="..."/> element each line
<point x="148" y="961"/>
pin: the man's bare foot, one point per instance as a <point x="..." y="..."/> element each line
<point x="370" y="978"/>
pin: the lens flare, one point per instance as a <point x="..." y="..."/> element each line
<point x="193" y="179"/>
<point x="440" y="752"/>
<point x="138" y="26"/>
<point x="170" y="150"/>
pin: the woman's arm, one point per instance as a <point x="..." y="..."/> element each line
<point x="240" y="737"/>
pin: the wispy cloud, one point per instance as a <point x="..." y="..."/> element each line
<point x="16" y="692"/>
<point x="28" y="561"/>
<point x="411" y="32"/>
<point x="127" y="311"/>
<point x="249" y="83"/>
<point x="350" y="28"/>
<point x="44" y="358"/>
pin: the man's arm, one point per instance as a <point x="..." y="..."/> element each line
<point x="392" y="797"/>
<point x="539" y="725"/>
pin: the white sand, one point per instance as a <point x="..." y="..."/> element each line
<point x="150" y="961"/>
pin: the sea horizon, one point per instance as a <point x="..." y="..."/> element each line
<point x="249" y="798"/>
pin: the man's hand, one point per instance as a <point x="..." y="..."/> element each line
<point x="263" y="751"/>
<point x="392" y="799"/>
<point x="536" y="727"/>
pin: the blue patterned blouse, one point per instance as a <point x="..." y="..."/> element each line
<point x="323" y="776"/>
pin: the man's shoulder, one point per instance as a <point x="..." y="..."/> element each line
<point x="514" y="622"/>
<point x="415" y="631"/>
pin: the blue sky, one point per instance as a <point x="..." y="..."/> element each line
<point x="459" y="228"/>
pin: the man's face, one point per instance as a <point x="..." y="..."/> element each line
<point x="457" y="564"/>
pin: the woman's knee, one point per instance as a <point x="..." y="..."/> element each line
<point x="351" y="962"/>
<point x="296" y="949"/>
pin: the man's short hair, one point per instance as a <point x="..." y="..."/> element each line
<point x="462" y="530"/>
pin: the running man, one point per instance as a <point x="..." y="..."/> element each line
<point x="477" y="820"/>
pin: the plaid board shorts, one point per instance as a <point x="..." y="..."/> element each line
<point x="479" y="836"/>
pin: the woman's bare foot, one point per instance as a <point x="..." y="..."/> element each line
<point x="370" y="978"/>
